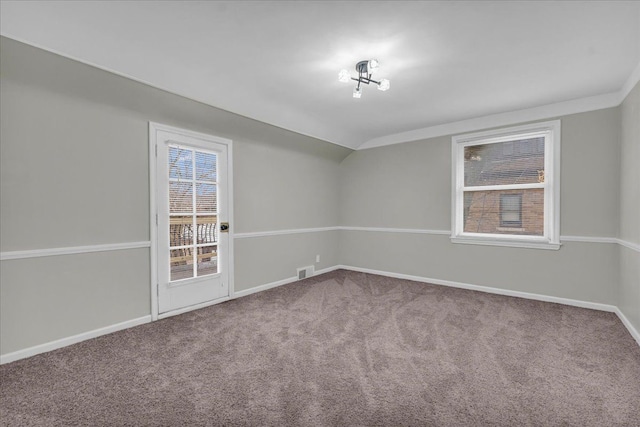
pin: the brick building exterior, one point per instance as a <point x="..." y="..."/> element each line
<point x="518" y="211"/>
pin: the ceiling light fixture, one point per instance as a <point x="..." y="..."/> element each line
<point x="365" y="69"/>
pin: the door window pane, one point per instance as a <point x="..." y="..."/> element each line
<point x="180" y="197"/>
<point x="207" y="260"/>
<point x="193" y="229"/>
<point x="207" y="229"/>
<point x="180" y="163"/>
<point x="206" y="197"/>
<point x="181" y="263"/>
<point x="181" y="230"/>
<point x="206" y="167"/>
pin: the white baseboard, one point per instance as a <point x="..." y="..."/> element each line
<point x="487" y="289"/>
<point x="191" y="308"/>
<point x="633" y="331"/>
<point x="54" y="345"/>
<point x="64" y="342"/>
<point x="277" y="283"/>
<point x="538" y="297"/>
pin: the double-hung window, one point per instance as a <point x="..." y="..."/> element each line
<point x="506" y="187"/>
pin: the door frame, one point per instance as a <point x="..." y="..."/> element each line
<point x="154" y="128"/>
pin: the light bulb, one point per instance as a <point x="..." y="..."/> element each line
<point x="357" y="92"/>
<point x="344" y="76"/>
<point x="373" y="64"/>
<point x="383" y="85"/>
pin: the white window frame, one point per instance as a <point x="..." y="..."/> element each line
<point x="551" y="237"/>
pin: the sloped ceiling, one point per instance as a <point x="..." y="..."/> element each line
<point x="451" y="64"/>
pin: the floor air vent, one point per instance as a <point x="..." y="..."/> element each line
<point x="304" y="272"/>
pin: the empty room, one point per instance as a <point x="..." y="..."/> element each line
<point x="320" y="213"/>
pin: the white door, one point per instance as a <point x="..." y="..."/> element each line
<point x="192" y="205"/>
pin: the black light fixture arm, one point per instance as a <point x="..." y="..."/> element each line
<point x="365" y="80"/>
<point x="364" y="76"/>
<point x="365" y="70"/>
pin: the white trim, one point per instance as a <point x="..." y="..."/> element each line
<point x="574" y="106"/>
<point x="260" y="288"/>
<point x="500" y="187"/>
<point x="629" y="245"/>
<point x="397" y="230"/>
<point x="153" y="219"/>
<point x="277" y="283"/>
<point x="340" y="227"/>
<point x="543" y="112"/>
<point x="64" y="342"/>
<point x="506" y="243"/>
<point x="633" y="331"/>
<point x="37" y="253"/>
<point x="487" y="289"/>
<point x="582" y="239"/>
<point x="230" y="217"/>
<point x="53" y="345"/>
<point x="588" y="239"/>
<point x="204" y="137"/>
<point x="282" y="232"/>
<point x="551" y="132"/>
<point x="202" y="140"/>
<point x="498" y="291"/>
<point x="192" y="307"/>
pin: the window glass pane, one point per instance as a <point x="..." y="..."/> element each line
<point x="180" y="163"/>
<point x="206" y="200"/>
<point x="508" y="216"/>
<point x="207" y="260"/>
<point x="484" y="214"/>
<point x="180" y="230"/>
<point x="503" y="163"/>
<point x="180" y="197"/>
<point x="207" y="232"/>
<point x="206" y="167"/>
<point x="511" y="210"/>
<point x="511" y="202"/>
<point x="181" y="263"/>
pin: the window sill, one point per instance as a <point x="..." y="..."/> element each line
<point x="511" y="229"/>
<point x="506" y="243"/>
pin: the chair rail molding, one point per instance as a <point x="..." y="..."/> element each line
<point x="71" y="250"/>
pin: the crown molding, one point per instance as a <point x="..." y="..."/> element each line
<point x="581" y="105"/>
<point x="548" y="111"/>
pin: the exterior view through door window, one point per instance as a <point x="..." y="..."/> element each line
<point x="193" y="216"/>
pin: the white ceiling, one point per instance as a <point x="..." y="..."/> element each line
<point x="277" y="62"/>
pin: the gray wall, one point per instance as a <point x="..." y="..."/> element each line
<point x="629" y="295"/>
<point x="408" y="186"/>
<point x="74" y="171"/>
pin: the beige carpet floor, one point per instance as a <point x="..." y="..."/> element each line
<point x="342" y="349"/>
